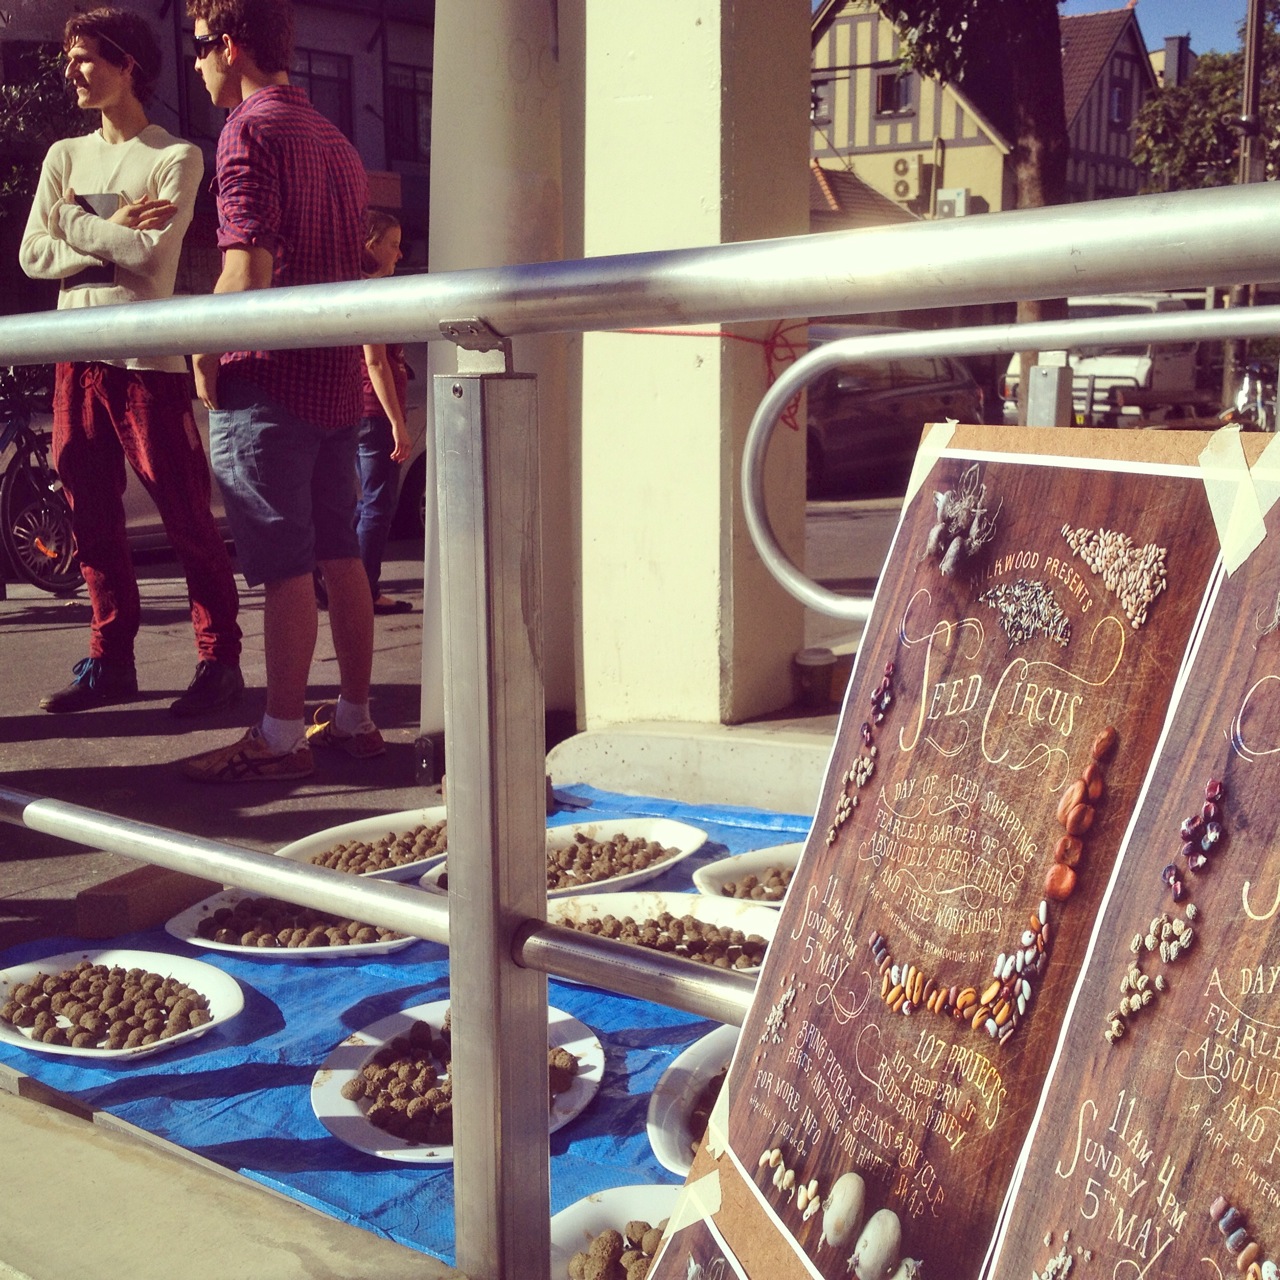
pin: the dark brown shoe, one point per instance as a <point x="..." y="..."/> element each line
<point x="96" y="684"/>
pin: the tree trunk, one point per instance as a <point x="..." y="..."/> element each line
<point x="1040" y="145"/>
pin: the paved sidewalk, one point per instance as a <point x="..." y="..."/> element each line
<point x="120" y="759"/>
<point x="97" y="1203"/>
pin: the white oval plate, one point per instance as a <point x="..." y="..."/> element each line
<point x="369" y="830"/>
<point x="665" y="831"/>
<point x="220" y="989"/>
<point x="346" y="1119"/>
<point x="712" y="878"/>
<point x="646" y="904"/>
<point x="185" y="927"/>
<point x="574" y="1228"/>
<point x="671" y="1134"/>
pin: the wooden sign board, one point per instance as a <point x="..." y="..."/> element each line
<point x="1157" y="1151"/>
<point x="1009" y="694"/>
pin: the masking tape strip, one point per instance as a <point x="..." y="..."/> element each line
<point x="1265" y="474"/>
<point x="718" y="1125"/>
<point x="935" y="440"/>
<point x="697" y="1201"/>
<point x="1233" y="501"/>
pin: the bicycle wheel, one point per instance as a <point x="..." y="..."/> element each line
<point x="35" y="522"/>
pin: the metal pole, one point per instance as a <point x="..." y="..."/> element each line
<point x="1179" y="240"/>
<point x="1252" y="153"/>
<point x="490" y="550"/>
<point x="647" y="975"/>
<point x="394" y="906"/>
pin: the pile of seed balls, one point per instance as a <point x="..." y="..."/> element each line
<point x="618" y="1255"/>
<point x="92" y="1006"/>
<point x="771" y="887"/>
<point x="268" y="922"/>
<point x="586" y="861"/>
<point x="407" y="1085"/>
<point x="391" y="850"/>
<point x="684" y="936"/>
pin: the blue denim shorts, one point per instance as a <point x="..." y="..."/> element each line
<point x="289" y="487"/>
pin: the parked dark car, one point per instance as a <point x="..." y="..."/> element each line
<point x="865" y="418"/>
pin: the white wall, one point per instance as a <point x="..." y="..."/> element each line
<point x="696" y="132"/>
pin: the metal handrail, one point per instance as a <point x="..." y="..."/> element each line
<point x="1186" y="239"/>
<point x="554" y="949"/>
<point x="1054" y="335"/>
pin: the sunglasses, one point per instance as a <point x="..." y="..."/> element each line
<point x="204" y="43"/>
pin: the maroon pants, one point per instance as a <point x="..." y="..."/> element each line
<point x="103" y="415"/>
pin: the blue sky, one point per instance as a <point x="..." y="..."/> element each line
<point x="1213" y="25"/>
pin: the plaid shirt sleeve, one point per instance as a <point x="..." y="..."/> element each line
<point x="248" y="190"/>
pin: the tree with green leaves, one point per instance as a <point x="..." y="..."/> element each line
<point x="1185" y="137"/>
<point x="999" y="51"/>
<point x="1007" y="56"/>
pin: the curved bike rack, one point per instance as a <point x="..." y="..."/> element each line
<point x="1053" y="335"/>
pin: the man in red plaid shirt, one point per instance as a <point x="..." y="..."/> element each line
<point x="282" y="424"/>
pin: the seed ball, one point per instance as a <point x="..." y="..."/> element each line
<point x="607" y="1245"/>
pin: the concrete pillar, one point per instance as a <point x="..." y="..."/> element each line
<point x="696" y="132"/>
<point x="496" y="201"/>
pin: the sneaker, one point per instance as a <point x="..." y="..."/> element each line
<point x="324" y="733"/>
<point x="96" y="683"/>
<point x="249" y="760"/>
<point x="214" y="685"/>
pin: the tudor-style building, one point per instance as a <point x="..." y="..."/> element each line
<point x="944" y="151"/>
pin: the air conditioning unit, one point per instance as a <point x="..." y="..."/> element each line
<point x="953" y="202"/>
<point x="906" y="178"/>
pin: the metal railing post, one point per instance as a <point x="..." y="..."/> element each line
<point x="490" y="553"/>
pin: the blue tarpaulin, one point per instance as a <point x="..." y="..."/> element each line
<point x="241" y="1095"/>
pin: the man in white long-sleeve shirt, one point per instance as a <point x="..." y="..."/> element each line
<point x="107" y="222"/>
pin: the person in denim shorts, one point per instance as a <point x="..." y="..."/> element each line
<point x="282" y="424"/>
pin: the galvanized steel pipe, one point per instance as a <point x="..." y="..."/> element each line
<point x="709" y="993"/>
<point x="1185" y="239"/>
<point x="720" y="994"/>
<point x="394" y="906"/>
<point x="1055" y="335"/>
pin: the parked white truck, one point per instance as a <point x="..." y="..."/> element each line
<point x="1151" y="371"/>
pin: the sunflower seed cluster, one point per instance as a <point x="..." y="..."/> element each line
<point x="1028" y="608"/>
<point x="1136" y="575"/>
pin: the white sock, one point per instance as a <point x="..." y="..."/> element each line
<point x="282" y="736"/>
<point x="352" y="717"/>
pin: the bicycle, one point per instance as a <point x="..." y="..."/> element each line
<point x="1254" y="406"/>
<point x="35" y="517"/>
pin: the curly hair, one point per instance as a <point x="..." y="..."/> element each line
<point x="263" y="27"/>
<point x="122" y="36"/>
